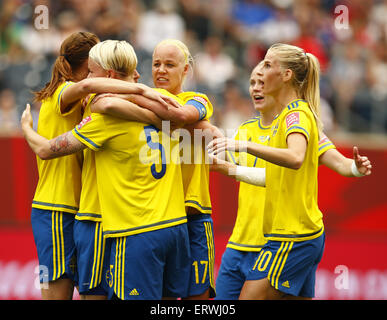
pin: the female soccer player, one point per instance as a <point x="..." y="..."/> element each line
<point x="246" y="241"/>
<point x="293" y="222"/>
<point x="170" y="65"/>
<point x="56" y="197"/>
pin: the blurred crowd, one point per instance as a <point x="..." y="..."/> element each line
<point x="227" y="38"/>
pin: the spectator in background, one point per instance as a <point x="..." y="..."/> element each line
<point x="213" y="67"/>
<point x="158" y="24"/>
<point x="196" y="17"/>
<point x="8" y="26"/>
<point x="248" y="15"/>
<point x="244" y="27"/>
<point x="281" y="28"/>
<point x="377" y="83"/>
<point x="237" y="109"/>
<point x="378" y="21"/>
<point x="308" y="16"/>
<point x="87" y="10"/>
<point x="9" y="117"/>
<point x="347" y="63"/>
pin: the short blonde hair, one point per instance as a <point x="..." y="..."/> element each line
<point x="115" y="55"/>
<point x="188" y="59"/>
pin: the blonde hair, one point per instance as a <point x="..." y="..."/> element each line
<point x="306" y="75"/>
<point x="188" y="59"/>
<point x="115" y="55"/>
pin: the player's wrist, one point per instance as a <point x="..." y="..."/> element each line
<point x="355" y="171"/>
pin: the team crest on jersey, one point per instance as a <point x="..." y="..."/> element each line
<point x="293" y="118"/>
<point x="83" y="122"/>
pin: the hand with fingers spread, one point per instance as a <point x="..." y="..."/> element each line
<point x="362" y="166"/>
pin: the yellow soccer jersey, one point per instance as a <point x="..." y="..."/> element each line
<point x="59" y="184"/>
<point x="291" y="210"/>
<point x="247" y="234"/>
<point x="89" y="207"/>
<point x="138" y="175"/>
<point x="196" y="176"/>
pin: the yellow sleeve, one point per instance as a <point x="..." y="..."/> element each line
<point x="95" y="129"/>
<point x="297" y="121"/>
<point x="58" y="96"/>
<point x="324" y="145"/>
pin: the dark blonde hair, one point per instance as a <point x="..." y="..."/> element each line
<point x="306" y="75"/>
<point x="74" y="51"/>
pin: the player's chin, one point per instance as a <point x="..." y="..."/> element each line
<point x="259" y="103"/>
<point x="162" y="84"/>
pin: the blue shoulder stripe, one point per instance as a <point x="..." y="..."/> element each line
<point x="299" y="128"/>
<point x="325" y="145"/>
<point x="60" y="93"/>
<point x="87" y="139"/>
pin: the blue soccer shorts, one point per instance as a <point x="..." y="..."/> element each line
<point x="92" y="257"/>
<point x="290" y="266"/>
<point x="201" y="239"/>
<point x="233" y="271"/>
<point x="150" y="265"/>
<point x="53" y="236"/>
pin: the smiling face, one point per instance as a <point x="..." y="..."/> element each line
<point x="169" y="68"/>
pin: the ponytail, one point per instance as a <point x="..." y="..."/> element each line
<point x="310" y="90"/>
<point x="306" y="75"/>
<point x="74" y="51"/>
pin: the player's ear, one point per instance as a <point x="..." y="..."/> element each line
<point x="186" y="69"/>
<point x="110" y="74"/>
<point x="287" y="75"/>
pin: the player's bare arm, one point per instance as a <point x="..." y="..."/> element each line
<point x="86" y="86"/>
<point x="344" y="166"/>
<point x="46" y="149"/>
<point x="64" y="145"/>
<point x="291" y="157"/>
<point x="178" y="116"/>
<point x="119" y="106"/>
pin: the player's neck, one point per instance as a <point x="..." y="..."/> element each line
<point x="284" y="97"/>
<point x="267" y="117"/>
